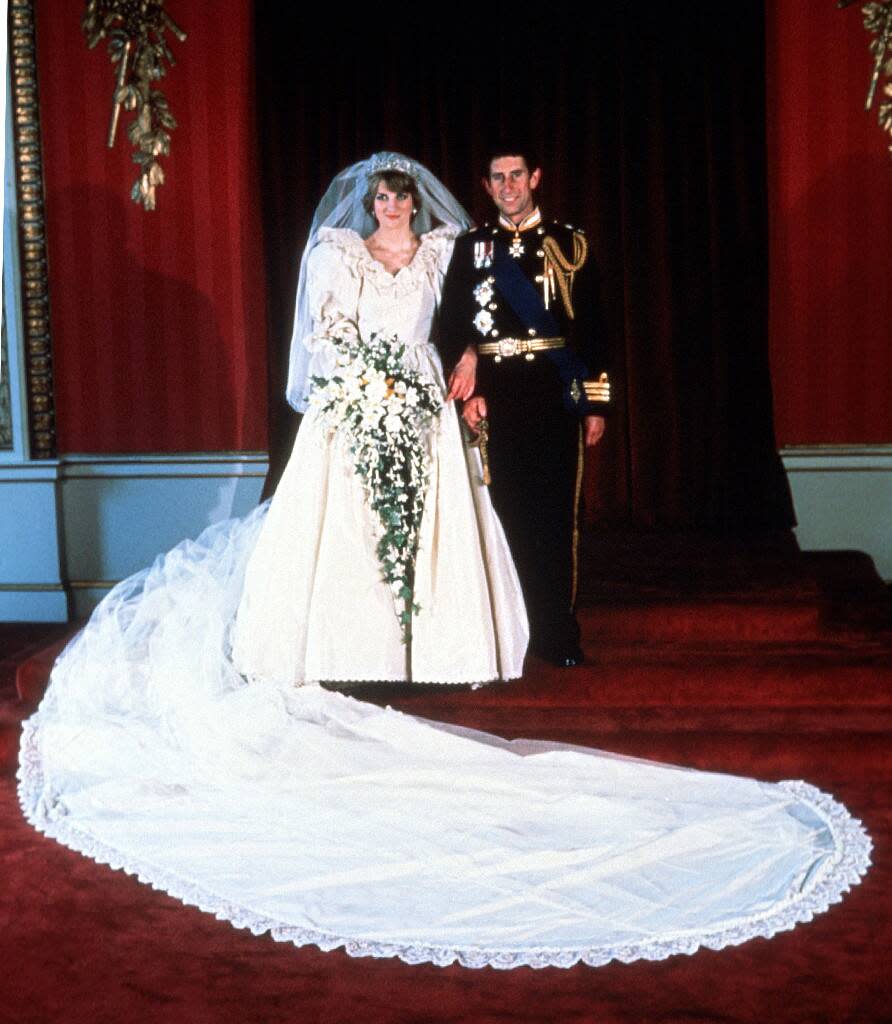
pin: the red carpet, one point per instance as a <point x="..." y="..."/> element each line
<point x="762" y="663"/>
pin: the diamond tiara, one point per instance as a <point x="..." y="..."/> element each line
<point x="392" y="162"/>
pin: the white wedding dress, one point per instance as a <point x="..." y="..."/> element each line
<point x="315" y="606"/>
<point x="175" y="743"/>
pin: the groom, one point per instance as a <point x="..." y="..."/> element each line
<point x="518" y="311"/>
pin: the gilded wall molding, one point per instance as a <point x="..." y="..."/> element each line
<point x="35" y="303"/>
<point x="6" y="439"/>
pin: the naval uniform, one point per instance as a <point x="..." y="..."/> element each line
<point x="525" y="298"/>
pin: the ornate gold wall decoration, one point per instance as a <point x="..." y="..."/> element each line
<point x="878" y="21"/>
<point x="5" y="399"/>
<point x="32" y="230"/>
<point x="137" y="45"/>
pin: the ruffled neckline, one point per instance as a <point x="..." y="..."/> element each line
<point x="427" y="258"/>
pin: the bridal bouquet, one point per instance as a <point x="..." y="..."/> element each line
<point x="385" y="411"/>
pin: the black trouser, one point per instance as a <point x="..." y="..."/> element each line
<point x="534" y="459"/>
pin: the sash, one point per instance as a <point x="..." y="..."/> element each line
<point x="526" y="303"/>
<point x="522" y="296"/>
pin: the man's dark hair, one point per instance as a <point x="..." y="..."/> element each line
<point x="511" y="147"/>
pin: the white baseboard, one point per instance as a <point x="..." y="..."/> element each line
<point x="843" y="498"/>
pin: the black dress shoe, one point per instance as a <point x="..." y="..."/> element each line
<point x="568" y="656"/>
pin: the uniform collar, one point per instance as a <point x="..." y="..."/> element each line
<point x="531" y="220"/>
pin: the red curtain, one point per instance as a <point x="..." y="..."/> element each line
<point x="158" y="318"/>
<point x="649" y="118"/>
<point x="830" y="188"/>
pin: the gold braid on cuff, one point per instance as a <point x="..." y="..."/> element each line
<point x="597" y="390"/>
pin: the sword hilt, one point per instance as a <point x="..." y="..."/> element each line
<point x="481" y="441"/>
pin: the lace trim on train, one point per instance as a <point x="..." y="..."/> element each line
<point x="843" y="870"/>
<point x="473" y="682"/>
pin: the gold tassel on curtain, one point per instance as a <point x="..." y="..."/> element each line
<point x="137" y="44"/>
<point x="878" y="21"/>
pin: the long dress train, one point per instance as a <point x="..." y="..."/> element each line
<point x="175" y="743"/>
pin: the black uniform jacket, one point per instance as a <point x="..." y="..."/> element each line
<point x="476" y="311"/>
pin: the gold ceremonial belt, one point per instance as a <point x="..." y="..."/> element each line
<point x="505" y="348"/>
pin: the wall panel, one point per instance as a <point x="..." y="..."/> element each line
<point x="158" y="318"/>
<point x="830" y="205"/>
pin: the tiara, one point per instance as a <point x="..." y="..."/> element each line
<point x="392" y="162"/>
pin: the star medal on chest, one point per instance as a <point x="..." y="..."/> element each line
<point x="517" y="248"/>
<point x="483" y="292"/>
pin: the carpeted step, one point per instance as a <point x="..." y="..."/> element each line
<point x="706" y="620"/>
<point x="661" y="677"/>
<point x="626" y="567"/>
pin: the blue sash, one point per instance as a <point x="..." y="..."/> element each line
<point x="527" y="304"/>
<point x="522" y="297"/>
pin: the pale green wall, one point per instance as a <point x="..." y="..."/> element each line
<point x="843" y="499"/>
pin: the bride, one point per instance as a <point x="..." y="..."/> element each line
<point x="315" y="605"/>
<point x="177" y="743"/>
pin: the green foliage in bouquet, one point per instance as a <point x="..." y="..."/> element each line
<point x="385" y="411"/>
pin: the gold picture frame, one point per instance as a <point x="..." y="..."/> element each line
<point x="34" y="297"/>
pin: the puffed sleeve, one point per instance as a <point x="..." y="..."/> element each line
<point x="441" y="241"/>
<point x="333" y="291"/>
<point x="332" y="296"/>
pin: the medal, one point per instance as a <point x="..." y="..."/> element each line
<point x="483" y="293"/>
<point x="482" y="255"/>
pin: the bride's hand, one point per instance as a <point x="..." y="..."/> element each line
<point x="463" y="378"/>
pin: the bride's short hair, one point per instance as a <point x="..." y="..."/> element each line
<point x="395" y="181"/>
